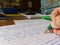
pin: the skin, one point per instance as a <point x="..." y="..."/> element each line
<point x="55" y="17"/>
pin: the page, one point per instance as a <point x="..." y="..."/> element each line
<point x="28" y="32"/>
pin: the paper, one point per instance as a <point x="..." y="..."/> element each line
<point x="28" y="32"/>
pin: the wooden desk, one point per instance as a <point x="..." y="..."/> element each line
<point x="11" y="22"/>
<point x="6" y="22"/>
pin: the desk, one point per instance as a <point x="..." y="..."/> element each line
<point x="6" y="22"/>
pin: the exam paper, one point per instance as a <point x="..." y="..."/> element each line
<point x="28" y="32"/>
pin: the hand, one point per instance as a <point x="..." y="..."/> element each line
<point x="56" y="25"/>
<point x="55" y="21"/>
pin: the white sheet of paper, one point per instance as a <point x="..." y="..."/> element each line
<point x="28" y="32"/>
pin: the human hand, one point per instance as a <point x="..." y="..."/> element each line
<point x="56" y="25"/>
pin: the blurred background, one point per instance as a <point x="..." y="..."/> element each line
<point x="32" y="6"/>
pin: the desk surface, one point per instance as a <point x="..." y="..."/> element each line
<point x="6" y="22"/>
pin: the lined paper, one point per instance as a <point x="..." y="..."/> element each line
<point x="28" y="32"/>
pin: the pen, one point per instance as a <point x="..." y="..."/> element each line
<point x="48" y="28"/>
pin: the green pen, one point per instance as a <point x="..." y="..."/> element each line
<point x="48" y="28"/>
<point x="47" y="18"/>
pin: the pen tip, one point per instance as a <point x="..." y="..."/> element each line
<point x="45" y="31"/>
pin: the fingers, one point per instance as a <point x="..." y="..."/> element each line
<point x="51" y="30"/>
<point x="57" y="32"/>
